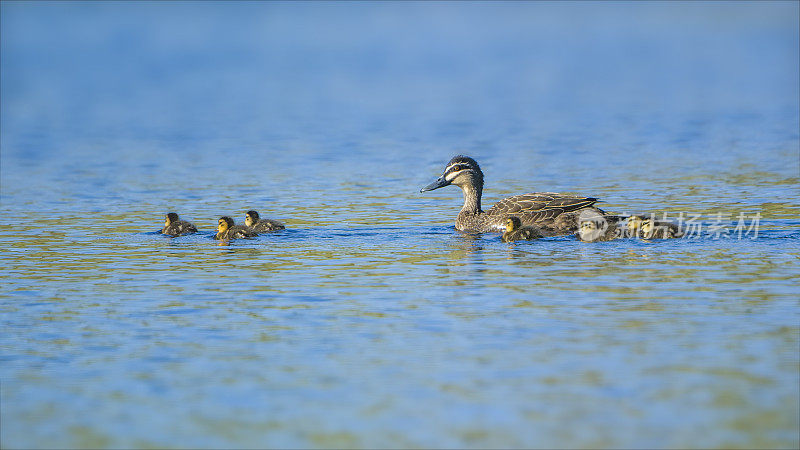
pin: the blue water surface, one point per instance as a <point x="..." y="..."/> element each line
<point x="371" y="322"/>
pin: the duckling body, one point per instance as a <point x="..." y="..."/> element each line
<point x="226" y="230"/>
<point x="650" y="228"/>
<point x="236" y="232"/>
<point x="173" y="226"/>
<point x="634" y="225"/>
<point x="659" y="229"/>
<point x="554" y="214"/>
<point x="516" y="232"/>
<point x="592" y="231"/>
<point x="259" y="225"/>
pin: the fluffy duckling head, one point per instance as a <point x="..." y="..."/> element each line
<point x="647" y="227"/>
<point x="590" y="230"/>
<point x="594" y="225"/>
<point x="171" y="217"/>
<point x="250" y="218"/>
<point x="634" y="224"/>
<point x="512" y="223"/>
<point x="588" y="226"/>
<point x="224" y="223"/>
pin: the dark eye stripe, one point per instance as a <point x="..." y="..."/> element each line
<point x="455" y="169"/>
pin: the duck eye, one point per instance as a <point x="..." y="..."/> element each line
<point x="457" y="168"/>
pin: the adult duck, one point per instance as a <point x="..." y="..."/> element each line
<point x="554" y="214"/>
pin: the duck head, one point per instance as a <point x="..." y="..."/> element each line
<point x="648" y="226"/>
<point x="634" y="223"/>
<point x="223" y="224"/>
<point x="171" y="217"/>
<point x="250" y="218"/>
<point x="461" y="171"/>
<point x="512" y="223"/>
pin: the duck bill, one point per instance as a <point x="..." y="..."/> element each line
<point x="440" y="182"/>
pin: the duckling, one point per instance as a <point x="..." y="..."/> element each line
<point x="659" y="229"/>
<point x="634" y="225"/>
<point x="594" y="231"/>
<point x="252" y="221"/>
<point x="649" y="228"/>
<point x="516" y="232"/>
<point x="226" y="229"/>
<point x="173" y="226"/>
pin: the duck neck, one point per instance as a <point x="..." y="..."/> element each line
<point x="472" y="199"/>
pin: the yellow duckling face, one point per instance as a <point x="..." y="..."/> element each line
<point x="223" y="224"/>
<point x="634" y="222"/>
<point x="171" y="217"/>
<point x="647" y="227"/>
<point x="251" y="218"/>
<point x="589" y="230"/>
<point x="512" y="223"/>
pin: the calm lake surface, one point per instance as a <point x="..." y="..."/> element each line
<point x="371" y="322"/>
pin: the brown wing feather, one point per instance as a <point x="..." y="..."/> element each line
<point x="540" y="201"/>
<point x="539" y="206"/>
